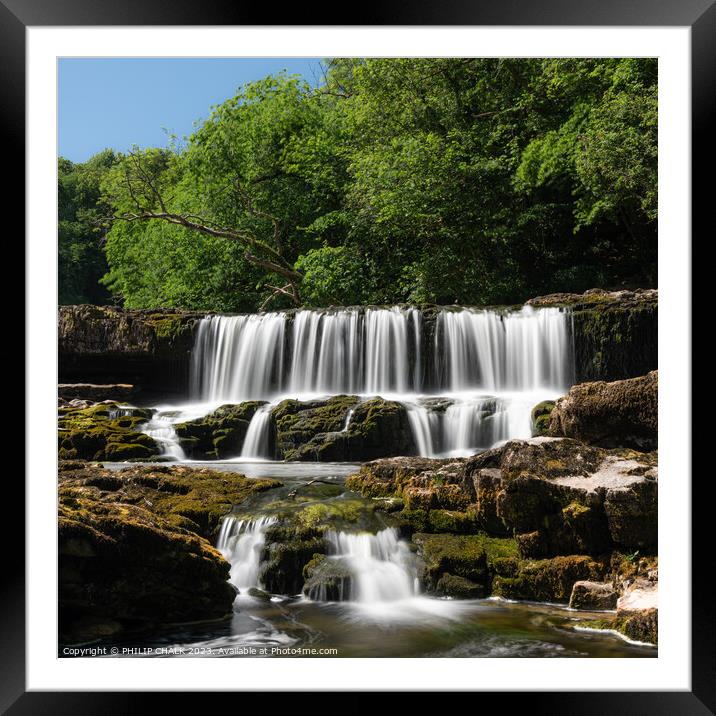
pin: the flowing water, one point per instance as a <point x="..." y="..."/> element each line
<point x="468" y="379"/>
<point x="379" y="610"/>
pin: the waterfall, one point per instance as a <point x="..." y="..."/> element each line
<point x="256" y="442"/>
<point x="242" y="542"/>
<point x="381" y="566"/>
<point x="493" y="364"/>
<point x="161" y="428"/>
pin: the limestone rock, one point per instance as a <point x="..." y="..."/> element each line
<point x="623" y="413"/>
<point x="595" y="596"/>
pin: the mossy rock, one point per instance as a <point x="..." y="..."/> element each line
<point x="450" y="585"/>
<point x="196" y="499"/>
<point x="467" y="556"/>
<point x="221" y="433"/>
<point x="106" y="431"/>
<point x="328" y="579"/>
<point x="547" y="580"/>
<point x="541" y="417"/>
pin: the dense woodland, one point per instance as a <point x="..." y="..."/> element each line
<point x="472" y="181"/>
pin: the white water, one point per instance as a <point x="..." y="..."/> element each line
<point x="492" y="366"/>
<point x="381" y="565"/>
<point x="242" y="542"/>
<point x="161" y="428"/>
<point x="256" y="442"/>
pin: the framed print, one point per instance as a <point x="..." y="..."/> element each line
<point x="348" y="345"/>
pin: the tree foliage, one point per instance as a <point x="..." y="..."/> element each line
<point x="425" y="180"/>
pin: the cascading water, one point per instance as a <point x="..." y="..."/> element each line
<point x="381" y="566"/>
<point x="161" y="428"/>
<point x="242" y="542"/>
<point x="492" y="365"/>
<point x="257" y="436"/>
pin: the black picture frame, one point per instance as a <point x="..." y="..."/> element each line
<point x="699" y="15"/>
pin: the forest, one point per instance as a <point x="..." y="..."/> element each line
<point x="468" y="181"/>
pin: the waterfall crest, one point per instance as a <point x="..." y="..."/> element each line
<point x="493" y="365"/>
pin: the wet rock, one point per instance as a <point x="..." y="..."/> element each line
<point x="450" y="585"/>
<point x="328" y="579"/>
<point x="104" y="431"/>
<point x="595" y="596"/>
<point x="469" y="557"/>
<point x="541" y="417"/>
<point x="322" y="430"/>
<point x="221" y="433"/>
<point x="623" y="413"/>
<point x="190" y="498"/>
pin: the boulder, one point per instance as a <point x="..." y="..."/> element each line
<point x="135" y="550"/>
<point x="220" y="434"/>
<point x="104" y="431"/>
<point x="594" y="596"/>
<point x="541" y="417"/>
<point x="327" y="579"/>
<point x="547" y="580"/>
<point x="560" y="496"/>
<point x="623" y="413"/>
<point x="462" y="557"/>
<point x="342" y="429"/>
<point x="123" y="568"/>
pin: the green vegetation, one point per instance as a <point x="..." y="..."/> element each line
<point x="424" y="180"/>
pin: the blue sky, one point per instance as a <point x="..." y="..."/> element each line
<point x="118" y="102"/>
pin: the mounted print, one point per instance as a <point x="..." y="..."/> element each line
<point x="358" y="357"/>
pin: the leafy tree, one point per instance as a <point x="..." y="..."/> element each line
<point x="81" y="260"/>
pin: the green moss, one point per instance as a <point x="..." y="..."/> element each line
<point x="451" y="521"/>
<point x="541" y="415"/>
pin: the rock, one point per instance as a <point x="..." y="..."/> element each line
<point x="561" y="497"/>
<point x="547" y="580"/>
<point x="320" y="430"/>
<point x="106" y="344"/>
<point x="328" y="579"/>
<point x="221" y="433"/>
<point x="594" y="596"/>
<point x="284" y="559"/>
<point x="469" y="557"/>
<point x="615" y="332"/>
<point x="135" y="546"/>
<point x="121" y="567"/>
<point x="194" y="499"/>
<point x="92" y="392"/>
<point x="105" y="431"/>
<point x="541" y="417"/>
<point x="258" y="594"/>
<point x="388" y="476"/>
<point x="450" y="585"/>
<point x="623" y="413"/>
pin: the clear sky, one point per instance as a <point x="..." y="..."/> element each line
<point x="118" y="102"/>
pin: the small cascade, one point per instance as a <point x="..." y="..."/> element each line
<point x="161" y="428"/>
<point x="256" y="442"/>
<point x="242" y="542"/>
<point x="381" y="566"/>
<point x="424" y="424"/>
<point x="347" y="422"/>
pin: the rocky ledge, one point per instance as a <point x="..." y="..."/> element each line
<point x="556" y="495"/>
<point x="135" y="547"/>
<point x="107" y="344"/>
<point x="341" y="428"/>
<point x="622" y="413"/>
